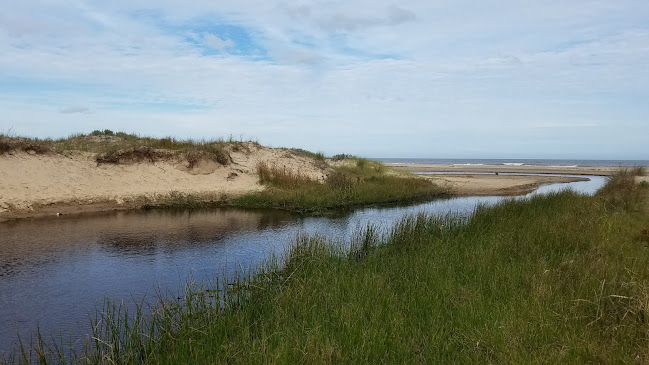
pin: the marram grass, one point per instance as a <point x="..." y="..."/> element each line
<point x="344" y="188"/>
<point x="552" y="279"/>
<point x="118" y="147"/>
<point x="362" y="183"/>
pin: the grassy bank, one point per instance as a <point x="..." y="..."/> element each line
<point x="554" y="279"/>
<point x="357" y="182"/>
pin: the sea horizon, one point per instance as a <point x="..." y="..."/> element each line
<point x="513" y="162"/>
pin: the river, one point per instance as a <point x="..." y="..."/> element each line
<point x="55" y="272"/>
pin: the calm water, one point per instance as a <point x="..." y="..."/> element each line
<point x="55" y="272"/>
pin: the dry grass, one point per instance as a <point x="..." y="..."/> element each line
<point x="9" y="144"/>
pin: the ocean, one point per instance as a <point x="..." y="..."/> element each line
<point x="515" y="162"/>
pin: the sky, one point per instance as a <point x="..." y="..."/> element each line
<point x="413" y="78"/>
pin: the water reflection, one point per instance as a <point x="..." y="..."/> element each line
<point x="55" y="272"/>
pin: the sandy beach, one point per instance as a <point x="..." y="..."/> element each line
<point x="502" y="180"/>
<point x="558" y="170"/>
<point x="499" y="185"/>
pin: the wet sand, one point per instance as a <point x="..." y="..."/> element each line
<point x="559" y="170"/>
<point x="500" y="180"/>
<point x="496" y="185"/>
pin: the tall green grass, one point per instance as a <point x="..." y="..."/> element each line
<point x="361" y="183"/>
<point x="282" y="177"/>
<point x="622" y="189"/>
<point x="560" y="278"/>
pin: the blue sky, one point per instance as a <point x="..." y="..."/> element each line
<point x="466" y="79"/>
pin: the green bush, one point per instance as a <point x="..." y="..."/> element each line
<point x="340" y="157"/>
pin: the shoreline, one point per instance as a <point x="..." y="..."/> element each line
<point x="501" y="180"/>
<point x="551" y="170"/>
<point x="467" y="184"/>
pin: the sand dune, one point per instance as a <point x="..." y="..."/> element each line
<point x="34" y="184"/>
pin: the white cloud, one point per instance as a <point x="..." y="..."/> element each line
<point x="341" y="20"/>
<point x="464" y="69"/>
<point x="215" y="42"/>
<point x="398" y="15"/>
<point x="75" y="110"/>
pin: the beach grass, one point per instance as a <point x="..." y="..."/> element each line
<point x="559" y="278"/>
<point x="342" y="190"/>
<point x="359" y="182"/>
<point x="120" y="147"/>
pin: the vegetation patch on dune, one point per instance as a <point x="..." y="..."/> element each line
<point x="119" y="147"/>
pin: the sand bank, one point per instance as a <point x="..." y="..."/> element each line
<point x="500" y="185"/>
<point x="561" y="170"/>
<point x="480" y="180"/>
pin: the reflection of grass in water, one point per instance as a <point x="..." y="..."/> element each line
<point x="551" y="279"/>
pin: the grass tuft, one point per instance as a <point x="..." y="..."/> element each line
<point x="623" y="191"/>
<point x="341" y="157"/>
<point x="132" y="155"/>
<point x="8" y="144"/>
<point x="282" y="177"/>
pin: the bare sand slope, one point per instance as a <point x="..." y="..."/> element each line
<point x="32" y="185"/>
